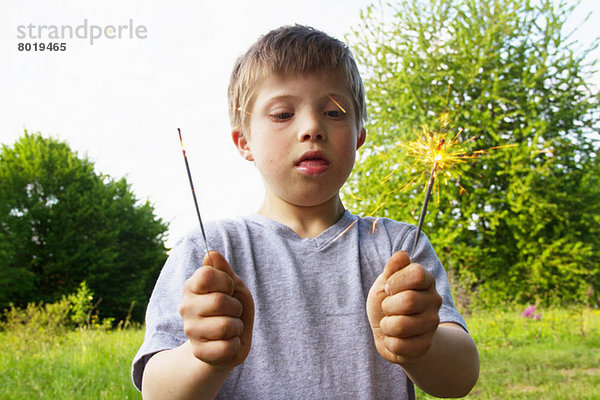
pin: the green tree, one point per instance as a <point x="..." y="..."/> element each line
<point x="62" y="223"/>
<point x="521" y="222"/>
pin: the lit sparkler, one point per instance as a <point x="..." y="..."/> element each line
<point x="442" y="153"/>
<point x="436" y="151"/>
<point x="437" y="158"/>
<point x="187" y="167"/>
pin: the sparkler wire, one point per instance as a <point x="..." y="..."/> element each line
<point x="424" y="209"/>
<point x="187" y="167"/>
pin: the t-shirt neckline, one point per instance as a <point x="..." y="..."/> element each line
<point x="319" y="241"/>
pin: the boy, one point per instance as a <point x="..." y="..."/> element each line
<point x="302" y="300"/>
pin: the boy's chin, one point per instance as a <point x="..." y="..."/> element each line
<point x="310" y="201"/>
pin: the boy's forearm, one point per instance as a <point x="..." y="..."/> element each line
<point x="177" y="374"/>
<point x="451" y="366"/>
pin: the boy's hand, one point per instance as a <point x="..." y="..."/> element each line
<point x="402" y="307"/>
<point x="218" y="314"/>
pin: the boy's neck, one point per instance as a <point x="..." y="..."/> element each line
<point x="307" y="222"/>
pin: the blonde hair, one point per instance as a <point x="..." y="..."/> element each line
<point x="292" y="50"/>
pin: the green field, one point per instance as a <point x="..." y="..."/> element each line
<point x="554" y="357"/>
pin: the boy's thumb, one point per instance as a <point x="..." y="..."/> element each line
<point x="397" y="261"/>
<point x="216" y="260"/>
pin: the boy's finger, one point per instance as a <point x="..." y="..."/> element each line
<point x="216" y="328"/>
<point x="214" y="257"/>
<point x="411" y="277"/>
<point x="209" y="280"/>
<point x="377" y="292"/>
<point x="397" y="261"/>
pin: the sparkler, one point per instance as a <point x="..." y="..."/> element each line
<point x="437" y="159"/>
<point x="187" y="167"/>
<point x="436" y="149"/>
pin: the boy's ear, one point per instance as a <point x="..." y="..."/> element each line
<point x="241" y="142"/>
<point x="361" y="138"/>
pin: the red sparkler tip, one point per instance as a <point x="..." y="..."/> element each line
<point x="442" y="141"/>
<point x="181" y="141"/>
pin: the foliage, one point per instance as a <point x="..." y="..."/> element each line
<point x="521" y="222"/>
<point x="40" y="321"/>
<point x="37" y="320"/>
<point x="81" y="304"/>
<point x="62" y="223"/>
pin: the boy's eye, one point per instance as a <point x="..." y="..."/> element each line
<point x="334" y="113"/>
<point x="282" y="115"/>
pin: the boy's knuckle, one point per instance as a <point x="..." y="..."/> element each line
<point x="393" y="326"/>
<point x="418" y="273"/>
<point x="438" y="301"/>
<point x="395" y="345"/>
<point x="187" y="285"/>
<point x="228" y="348"/>
<point x="408" y="300"/>
<point x="206" y="277"/>
<point x="215" y="302"/>
<point x="388" y="305"/>
<point x="224" y="328"/>
<point x="190" y="330"/>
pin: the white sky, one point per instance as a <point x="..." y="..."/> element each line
<point x="121" y="101"/>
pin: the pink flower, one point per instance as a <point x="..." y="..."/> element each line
<point x="528" y="312"/>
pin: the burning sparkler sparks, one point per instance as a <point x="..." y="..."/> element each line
<point x="337" y="104"/>
<point x="187" y="166"/>
<point x="438" y="152"/>
<point x="435" y="148"/>
<point x="436" y="160"/>
<point x="240" y="109"/>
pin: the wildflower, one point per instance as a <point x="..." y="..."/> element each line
<point x="528" y="312"/>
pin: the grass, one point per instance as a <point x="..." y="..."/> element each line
<point x="555" y="357"/>
<point x="85" y="364"/>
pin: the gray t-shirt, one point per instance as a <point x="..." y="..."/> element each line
<point x="311" y="336"/>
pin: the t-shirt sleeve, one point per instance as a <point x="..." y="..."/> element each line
<point x="164" y="326"/>
<point x="425" y="255"/>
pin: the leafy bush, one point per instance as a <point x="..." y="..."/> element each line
<point x="39" y="318"/>
<point x="73" y="311"/>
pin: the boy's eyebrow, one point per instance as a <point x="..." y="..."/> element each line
<point x="280" y="97"/>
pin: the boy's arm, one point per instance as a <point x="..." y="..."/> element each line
<point x="451" y="366"/>
<point x="177" y="374"/>
<point x="403" y="307"/>
<point x="218" y="314"/>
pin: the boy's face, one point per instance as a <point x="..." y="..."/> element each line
<point x="302" y="142"/>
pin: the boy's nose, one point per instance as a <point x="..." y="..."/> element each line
<point x="308" y="135"/>
<point x="312" y="131"/>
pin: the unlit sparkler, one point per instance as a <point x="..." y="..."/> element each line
<point x="187" y="167"/>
